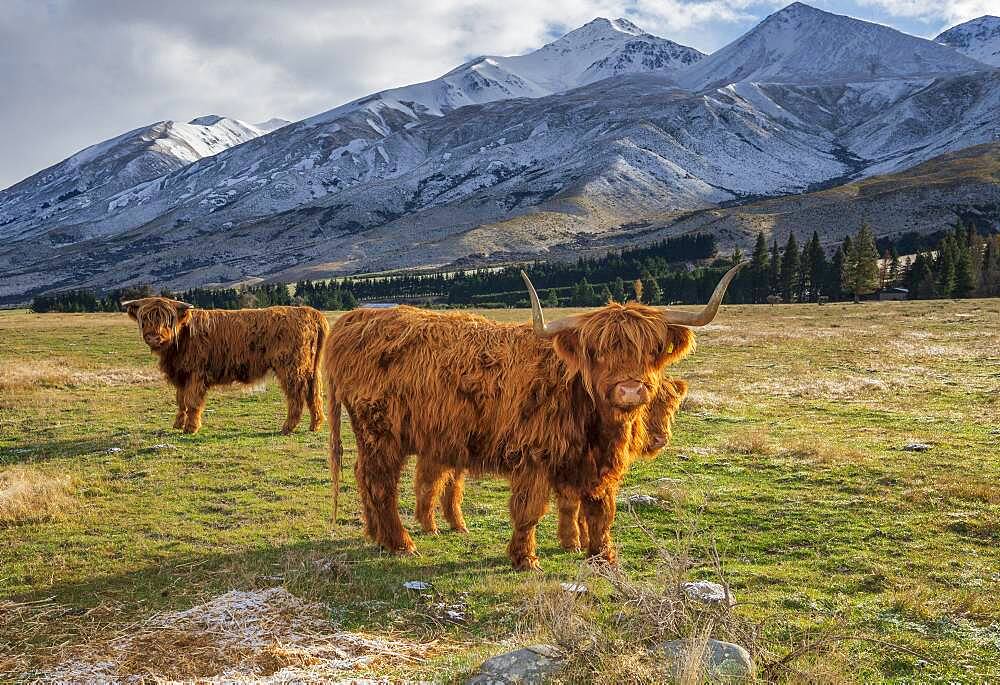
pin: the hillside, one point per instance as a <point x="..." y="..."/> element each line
<point x="586" y="142"/>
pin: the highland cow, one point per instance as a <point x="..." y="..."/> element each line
<point x="554" y="407"/>
<point x="199" y="349"/>
<point x="432" y="483"/>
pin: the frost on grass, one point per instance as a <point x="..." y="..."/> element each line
<point x="28" y="494"/>
<point x="260" y="636"/>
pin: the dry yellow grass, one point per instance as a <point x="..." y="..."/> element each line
<point x="28" y="494"/>
<point x="60" y="373"/>
<point x="750" y="442"/>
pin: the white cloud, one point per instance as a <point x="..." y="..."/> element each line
<point x="946" y="13"/>
<point x="78" y="71"/>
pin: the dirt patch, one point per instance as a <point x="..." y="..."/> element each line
<point x="260" y="636"/>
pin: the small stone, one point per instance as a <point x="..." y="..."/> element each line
<point x="114" y="450"/>
<point x="916" y="447"/>
<point x="416" y="585"/>
<point x="578" y="588"/>
<point x="724" y="661"/>
<point x="528" y="666"/>
<point x="642" y="500"/>
<point x="708" y="592"/>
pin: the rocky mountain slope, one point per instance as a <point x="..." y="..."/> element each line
<point x="978" y="39"/>
<point x="587" y="142"/>
<point x="78" y="188"/>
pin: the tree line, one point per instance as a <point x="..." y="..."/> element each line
<point x="963" y="263"/>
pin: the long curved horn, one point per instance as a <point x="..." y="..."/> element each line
<point x="706" y="315"/>
<point x="543" y="329"/>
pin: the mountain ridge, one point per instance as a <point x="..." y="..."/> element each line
<point x="386" y="182"/>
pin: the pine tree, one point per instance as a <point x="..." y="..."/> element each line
<point x="651" y="290"/>
<point x="833" y="283"/>
<point x="605" y="296"/>
<point x="894" y="267"/>
<point x="759" y="267"/>
<point x="774" y="277"/>
<point x="552" y="298"/>
<point x="920" y="279"/>
<point x="859" y="273"/>
<point x="790" y="269"/>
<point x="349" y="300"/>
<point x="618" y="290"/>
<point x="816" y="266"/>
<point x="945" y="267"/>
<point x="965" y="282"/>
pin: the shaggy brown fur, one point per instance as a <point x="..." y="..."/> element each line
<point x="449" y="486"/>
<point x="470" y="394"/>
<point x="199" y="349"/>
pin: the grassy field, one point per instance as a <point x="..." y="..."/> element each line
<point x="882" y="564"/>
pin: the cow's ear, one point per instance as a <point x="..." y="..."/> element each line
<point x="678" y="342"/>
<point x="680" y="388"/>
<point x="567" y="346"/>
<point x="183" y="311"/>
<point x="131" y="308"/>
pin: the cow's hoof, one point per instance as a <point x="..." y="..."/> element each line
<point x="191" y="430"/>
<point x="459" y="529"/>
<point x="527" y="564"/>
<point x="406" y="552"/>
<point x="430" y="530"/>
<point x="286" y="431"/>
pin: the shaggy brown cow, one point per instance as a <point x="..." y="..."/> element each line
<point x="199" y="349"/>
<point x="431" y="483"/>
<point x="558" y="406"/>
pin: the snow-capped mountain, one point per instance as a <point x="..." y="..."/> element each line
<point x="78" y="187"/>
<point x="568" y="147"/>
<point x="978" y="39"/>
<point x="801" y="44"/>
<point x="597" y="50"/>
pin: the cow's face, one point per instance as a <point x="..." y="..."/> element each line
<point x="661" y="414"/>
<point x="619" y="352"/>
<point x="160" y="320"/>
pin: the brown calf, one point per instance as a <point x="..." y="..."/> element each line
<point x="199" y="349"/>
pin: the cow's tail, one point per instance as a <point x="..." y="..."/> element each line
<point x="336" y="447"/>
<point x="315" y="385"/>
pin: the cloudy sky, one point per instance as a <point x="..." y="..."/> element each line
<point x="74" y="72"/>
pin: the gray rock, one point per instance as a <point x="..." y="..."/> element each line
<point x="527" y="666"/>
<point x="708" y="592"/>
<point x="416" y="585"/>
<point x="642" y="500"/>
<point x="916" y="447"/>
<point x="724" y="661"/>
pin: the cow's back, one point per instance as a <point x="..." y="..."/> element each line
<point x="441" y="382"/>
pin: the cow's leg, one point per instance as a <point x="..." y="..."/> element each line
<point x="600" y="514"/>
<point x="295" y="396"/>
<point x="569" y="515"/>
<point x="428" y="483"/>
<point x="581" y="524"/>
<point x="194" y="404"/>
<point x="315" y="402"/>
<point x="529" y="498"/>
<point x="181" y="411"/>
<point x="451" y="501"/>
<point x="377" y="470"/>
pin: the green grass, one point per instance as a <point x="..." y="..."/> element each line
<point x="789" y="456"/>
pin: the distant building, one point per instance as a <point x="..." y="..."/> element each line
<point x="894" y="294"/>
